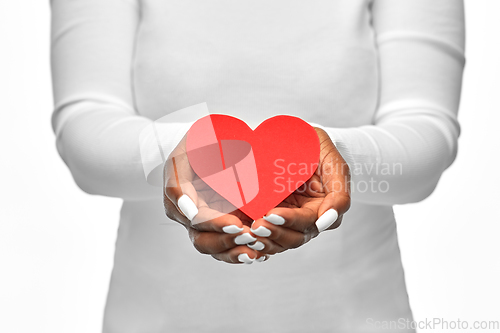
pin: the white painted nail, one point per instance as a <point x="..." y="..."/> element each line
<point x="232" y="229"/>
<point x="327" y="219"/>
<point x="275" y="219"/>
<point x="187" y="207"/>
<point x="261" y="231"/>
<point x="244" y="239"/>
<point x="261" y="259"/>
<point x="244" y="258"/>
<point x="258" y="246"/>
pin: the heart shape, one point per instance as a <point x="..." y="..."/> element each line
<point x="257" y="169"/>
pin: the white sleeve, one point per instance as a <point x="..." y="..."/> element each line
<point x="99" y="134"/>
<point x="400" y="157"/>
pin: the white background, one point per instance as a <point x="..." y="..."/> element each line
<point x="56" y="242"/>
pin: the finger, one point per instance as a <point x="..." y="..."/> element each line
<point x="178" y="186"/>
<point x="284" y="237"/>
<point x="237" y="255"/>
<point x="206" y="219"/>
<point x="173" y="212"/>
<point x="266" y="246"/>
<point x="298" y="219"/>
<point x="331" y="210"/>
<point x="336" y="180"/>
<point x="215" y="242"/>
<point x="207" y="197"/>
<point x="263" y="257"/>
<point x="339" y="201"/>
<point x="212" y="220"/>
<point x="202" y="218"/>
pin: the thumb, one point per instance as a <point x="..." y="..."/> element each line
<point x="335" y="179"/>
<point x="178" y="187"/>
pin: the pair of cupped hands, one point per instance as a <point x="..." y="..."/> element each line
<point x="219" y="229"/>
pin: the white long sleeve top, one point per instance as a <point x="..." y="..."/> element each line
<point x="382" y="77"/>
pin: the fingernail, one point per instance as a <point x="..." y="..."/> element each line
<point x="275" y="219"/>
<point x="232" y="229"/>
<point x="257" y="246"/>
<point x="261" y="259"/>
<point x="261" y="231"/>
<point x="244" y="258"/>
<point x="187" y="207"/>
<point x="327" y="219"/>
<point x="244" y="239"/>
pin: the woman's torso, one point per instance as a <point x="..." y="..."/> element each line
<point x="253" y="60"/>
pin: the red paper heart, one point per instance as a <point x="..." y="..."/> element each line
<point x="253" y="170"/>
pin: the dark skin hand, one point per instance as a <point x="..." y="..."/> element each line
<point x="214" y="212"/>
<point x="328" y="188"/>
<point x="294" y="219"/>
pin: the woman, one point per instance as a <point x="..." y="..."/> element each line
<point x="379" y="79"/>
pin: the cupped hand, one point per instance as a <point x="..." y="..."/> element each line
<point x="215" y="227"/>
<point x="316" y="206"/>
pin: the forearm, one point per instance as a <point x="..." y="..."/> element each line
<point x="107" y="152"/>
<point x="398" y="161"/>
